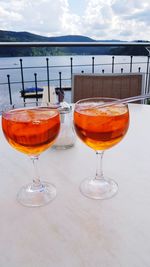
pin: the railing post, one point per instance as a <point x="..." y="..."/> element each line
<point x="113" y="58"/>
<point x="93" y="58"/>
<point x="9" y="88"/>
<point x="48" y="82"/>
<point x="60" y="84"/>
<point x="60" y="89"/>
<point x="35" y="78"/>
<point x="131" y="64"/>
<point x="147" y="74"/>
<point x="148" y="91"/>
<point x="71" y="67"/>
<point x="22" y="79"/>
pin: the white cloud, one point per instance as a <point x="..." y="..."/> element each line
<point x="9" y="18"/>
<point x="117" y="19"/>
<point x="100" y="19"/>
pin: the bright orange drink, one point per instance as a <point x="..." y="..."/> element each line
<point x="31" y="131"/>
<point x="101" y="128"/>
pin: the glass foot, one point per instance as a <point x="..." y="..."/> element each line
<point x="99" y="189"/>
<point x="32" y="196"/>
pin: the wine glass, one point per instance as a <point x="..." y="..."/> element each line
<point x="100" y="128"/>
<point x="31" y="129"/>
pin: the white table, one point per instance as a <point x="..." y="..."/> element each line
<point x="74" y="231"/>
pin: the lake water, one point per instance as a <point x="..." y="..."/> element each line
<point x="57" y="64"/>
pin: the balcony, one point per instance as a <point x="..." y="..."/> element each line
<point x="17" y="74"/>
<point x="74" y="230"/>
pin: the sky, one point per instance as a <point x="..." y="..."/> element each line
<point x="125" y="20"/>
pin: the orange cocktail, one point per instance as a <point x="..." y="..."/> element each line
<point x="31" y="131"/>
<point x="101" y="128"/>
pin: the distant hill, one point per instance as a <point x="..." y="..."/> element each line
<point x="71" y="38"/>
<point x="11" y="36"/>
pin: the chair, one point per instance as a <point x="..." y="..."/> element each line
<point x="106" y="85"/>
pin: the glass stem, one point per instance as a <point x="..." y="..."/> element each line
<point x="36" y="179"/>
<point x="99" y="169"/>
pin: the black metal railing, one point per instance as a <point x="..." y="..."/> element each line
<point x="60" y="81"/>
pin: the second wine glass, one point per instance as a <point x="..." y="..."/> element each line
<point x="100" y="128"/>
